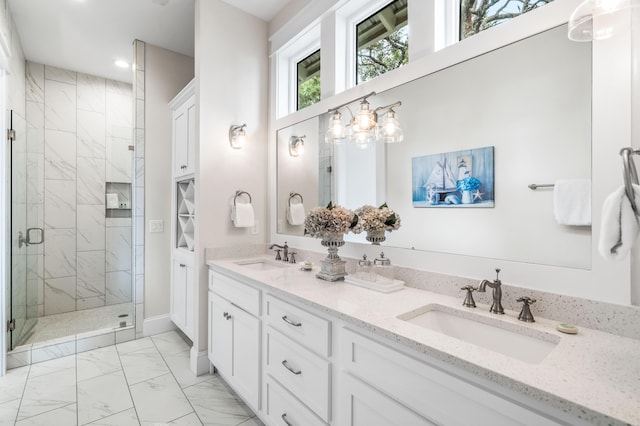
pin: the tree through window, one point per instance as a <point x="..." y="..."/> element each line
<point x="479" y="15"/>
<point x="382" y="41"/>
<point x="308" y="71"/>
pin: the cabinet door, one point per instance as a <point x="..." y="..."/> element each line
<point x="178" y="293"/>
<point x="246" y="356"/>
<point x="366" y="406"/>
<point x="220" y="335"/>
<point x="191" y="136"/>
<point x="189" y="301"/>
<point x="180" y="141"/>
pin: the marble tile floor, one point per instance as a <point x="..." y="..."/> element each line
<point x="139" y="382"/>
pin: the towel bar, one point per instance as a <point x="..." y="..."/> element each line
<point x="295" y="194"/>
<point x="535" y="186"/>
<point x="630" y="175"/>
<point x="239" y="193"/>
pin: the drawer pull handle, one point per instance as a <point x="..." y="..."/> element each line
<point x="288" y="321"/>
<point x="182" y="265"/>
<point x="284" y="419"/>
<point x="226" y="315"/>
<point x="291" y="369"/>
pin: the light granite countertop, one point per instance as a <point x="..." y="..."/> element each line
<point x="593" y="375"/>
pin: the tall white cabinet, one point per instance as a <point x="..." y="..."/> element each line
<point x="183" y="208"/>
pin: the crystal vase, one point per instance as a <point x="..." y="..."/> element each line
<point x="332" y="268"/>
<point x="376" y="237"/>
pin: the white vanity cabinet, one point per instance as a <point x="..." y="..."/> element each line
<point x="298" y="344"/>
<point x="235" y="335"/>
<point x="382" y="386"/>
<point x="184" y="131"/>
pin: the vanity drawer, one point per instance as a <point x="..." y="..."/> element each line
<point x="283" y="408"/>
<point x="428" y="390"/>
<point x="236" y="292"/>
<point x="299" y="370"/>
<point x="305" y="328"/>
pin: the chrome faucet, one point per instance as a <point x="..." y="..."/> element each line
<point x="285" y="251"/>
<point x="496" y="307"/>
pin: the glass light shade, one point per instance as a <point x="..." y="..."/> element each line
<point x="336" y="133"/>
<point x="365" y="118"/>
<point x="361" y="137"/>
<point x="581" y="25"/>
<point x="296" y="146"/>
<point x="237" y="136"/>
<point x="390" y="130"/>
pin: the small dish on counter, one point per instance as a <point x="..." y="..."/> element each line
<point x="306" y="266"/>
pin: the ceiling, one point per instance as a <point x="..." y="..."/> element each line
<point x="89" y="35"/>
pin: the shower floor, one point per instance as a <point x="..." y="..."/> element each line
<point x="53" y="327"/>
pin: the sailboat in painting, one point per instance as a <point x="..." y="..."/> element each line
<point x="442" y="178"/>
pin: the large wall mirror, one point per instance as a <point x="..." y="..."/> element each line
<point x="530" y="101"/>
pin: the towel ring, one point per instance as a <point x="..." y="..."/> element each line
<point x="630" y="176"/>
<point x="239" y="193"/>
<point x="295" y="194"/>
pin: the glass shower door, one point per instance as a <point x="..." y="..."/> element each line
<point x="23" y="295"/>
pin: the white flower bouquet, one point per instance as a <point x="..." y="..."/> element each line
<point x="322" y="222"/>
<point x="376" y="219"/>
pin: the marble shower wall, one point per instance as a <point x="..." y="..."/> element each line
<point x="79" y="133"/>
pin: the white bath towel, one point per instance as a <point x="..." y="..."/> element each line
<point x="296" y="214"/>
<point x="242" y="215"/>
<point x="572" y="202"/>
<point x="619" y="225"/>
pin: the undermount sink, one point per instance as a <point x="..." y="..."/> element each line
<point x="478" y="331"/>
<point x="261" y="264"/>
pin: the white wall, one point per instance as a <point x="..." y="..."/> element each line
<point x="166" y="73"/>
<point x="605" y="281"/>
<point x="231" y="88"/>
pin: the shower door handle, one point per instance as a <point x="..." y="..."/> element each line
<point x="28" y="240"/>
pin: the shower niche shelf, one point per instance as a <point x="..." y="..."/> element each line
<point x="186" y="214"/>
<point x="118" y="199"/>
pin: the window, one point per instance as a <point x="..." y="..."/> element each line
<point x="479" y="15"/>
<point x="382" y="41"/>
<point x="308" y="72"/>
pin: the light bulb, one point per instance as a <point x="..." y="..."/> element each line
<point x="336" y="132"/>
<point x="390" y="130"/>
<point x="365" y="118"/>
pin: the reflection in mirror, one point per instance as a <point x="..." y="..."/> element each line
<point x="530" y="101"/>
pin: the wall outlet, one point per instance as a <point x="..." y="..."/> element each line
<point x="156" y="225"/>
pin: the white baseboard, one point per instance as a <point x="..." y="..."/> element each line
<point x="156" y="325"/>
<point x="199" y="362"/>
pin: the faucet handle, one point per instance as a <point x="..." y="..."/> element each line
<point x="278" y="257"/>
<point x="292" y="257"/>
<point x="498" y="274"/>
<point x="525" y="313"/>
<point x="468" y="299"/>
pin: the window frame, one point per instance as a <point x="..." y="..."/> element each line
<point x="297" y="83"/>
<point x="354" y="57"/>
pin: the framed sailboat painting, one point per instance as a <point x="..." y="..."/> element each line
<point x="454" y="179"/>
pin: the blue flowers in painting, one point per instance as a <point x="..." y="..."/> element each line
<point x="468" y="184"/>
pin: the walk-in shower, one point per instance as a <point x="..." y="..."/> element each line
<point x="72" y="198"/>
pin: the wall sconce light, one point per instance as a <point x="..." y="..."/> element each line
<point x="237" y="136"/>
<point x="296" y="145"/>
<point x="364" y="127"/>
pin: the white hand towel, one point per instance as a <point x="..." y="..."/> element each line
<point x="242" y="215"/>
<point x="619" y="225"/>
<point x="295" y="214"/>
<point x="572" y="202"/>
